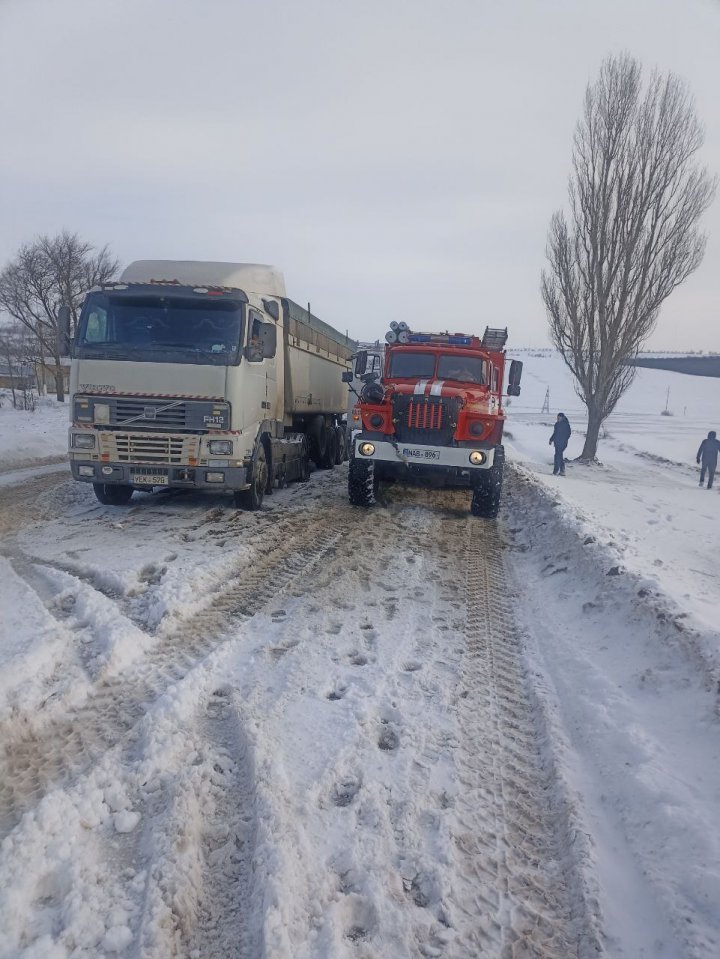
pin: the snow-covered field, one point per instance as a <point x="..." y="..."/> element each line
<point x="29" y="436"/>
<point x="319" y="732"/>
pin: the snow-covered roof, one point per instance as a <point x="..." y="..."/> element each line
<point x="250" y="277"/>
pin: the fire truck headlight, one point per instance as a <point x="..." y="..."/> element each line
<point x="366" y="449"/>
<point x="377" y="420"/>
<point x="83" y="441"/>
<point x="477" y="428"/>
<point x="477" y="457"/>
<point x="220" y="447"/>
<point x="101" y="413"/>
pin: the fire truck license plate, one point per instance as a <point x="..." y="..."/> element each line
<point x="420" y="453"/>
<point x="148" y="480"/>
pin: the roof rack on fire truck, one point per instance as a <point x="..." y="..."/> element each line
<point x="494" y="339"/>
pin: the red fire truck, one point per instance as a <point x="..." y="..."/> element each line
<point x="434" y="416"/>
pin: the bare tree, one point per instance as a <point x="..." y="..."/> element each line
<point x="43" y="276"/>
<point x="636" y="195"/>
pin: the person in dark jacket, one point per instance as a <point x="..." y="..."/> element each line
<point x="560" y="437"/>
<point x="707" y="456"/>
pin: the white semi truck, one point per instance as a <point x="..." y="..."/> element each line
<point x="203" y="375"/>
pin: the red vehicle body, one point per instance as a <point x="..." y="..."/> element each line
<point x="435" y="416"/>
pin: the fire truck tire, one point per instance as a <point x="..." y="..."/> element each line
<point x="341" y="444"/>
<point x="486" y="495"/>
<point x="362" y="483"/>
<point x="251" y="499"/>
<point x="113" y="494"/>
<point x="329" y="455"/>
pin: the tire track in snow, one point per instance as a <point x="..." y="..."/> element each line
<point x="56" y="754"/>
<point x="516" y="874"/>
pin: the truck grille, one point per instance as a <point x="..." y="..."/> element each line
<point x="425" y="419"/>
<point x="154" y="413"/>
<point x="149" y="448"/>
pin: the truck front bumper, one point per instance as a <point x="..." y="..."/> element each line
<point x="416" y="456"/>
<point x="150" y="477"/>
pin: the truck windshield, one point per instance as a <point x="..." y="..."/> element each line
<point x="465" y="369"/>
<point x="412" y="365"/>
<point x="161" y="329"/>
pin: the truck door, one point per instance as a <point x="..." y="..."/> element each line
<point x="260" y="392"/>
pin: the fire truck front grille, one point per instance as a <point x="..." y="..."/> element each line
<point x="425" y="419"/>
<point x="147" y="448"/>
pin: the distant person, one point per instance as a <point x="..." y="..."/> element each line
<point x="707" y="456"/>
<point x="560" y="437"/>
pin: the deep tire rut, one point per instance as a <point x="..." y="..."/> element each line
<point x="63" y="750"/>
<point x="517" y="881"/>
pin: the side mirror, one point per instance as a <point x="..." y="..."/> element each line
<point x="361" y="362"/>
<point x="514" y="377"/>
<point x="347" y="376"/>
<point x="272" y="308"/>
<point x="63" y="330"/>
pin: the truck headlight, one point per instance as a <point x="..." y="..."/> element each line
<point x="83" y="441"/>
<point x="366" y="449"/>
<point x="101" y="413"/>
<point x="220" y="447"/>
<point x="477" y="457"/>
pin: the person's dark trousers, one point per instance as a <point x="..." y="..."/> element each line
<point x="559" y="464"/>
<point x="711" y="475"/>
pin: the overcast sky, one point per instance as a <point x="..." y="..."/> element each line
<point x="397" y="159"/>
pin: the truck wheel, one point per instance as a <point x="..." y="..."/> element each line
<point x="361" y="483"/>
<point x="341" y="445"/>
<point x="251" y="499"/>
<point x="329" y="457"/>
<point x="304" y="462"/>
<point x="113" y="494"/>
<point x="486" y="495"/>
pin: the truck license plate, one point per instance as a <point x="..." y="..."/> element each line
<point x="142" y="479"/>
<point x="419" y="453"/>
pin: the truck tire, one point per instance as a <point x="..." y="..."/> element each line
<point x="361" y="483"/>
<point x="113" y="494"/>
<point x="304" y="463"/>
<point x="329" y="455"/>
<point x="251" y="499"/>
<point x="341" y="445"/>
<point x="486" y="494"/>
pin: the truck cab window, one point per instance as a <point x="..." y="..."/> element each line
<point x="255" y="343"/>
<point x="96" y="330"/>
<point x="412" y="365"/>
<point x="463" y="369"/>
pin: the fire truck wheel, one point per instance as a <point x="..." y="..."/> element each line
<point x="341" y="442"/>
<point x="486" y="495"/>
<point x="251" y="499"/>
<point x="329" y="456"/>
<point x="361" y="483"/>
<point x="111" y="494"/>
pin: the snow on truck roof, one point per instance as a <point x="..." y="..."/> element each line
<point x="249" y="277"/>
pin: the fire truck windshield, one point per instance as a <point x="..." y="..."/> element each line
<point x="465" y="369"/>
<point x="412" y="365"/>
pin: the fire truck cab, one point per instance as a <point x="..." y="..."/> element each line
<point x="435" y="416"/>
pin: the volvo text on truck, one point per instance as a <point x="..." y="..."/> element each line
<point x="203" y="375"/>
<point x="435" y="416"/>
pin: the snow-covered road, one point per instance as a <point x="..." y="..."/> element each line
<point x="305" y="732"/>
<point x="317" y="731"/>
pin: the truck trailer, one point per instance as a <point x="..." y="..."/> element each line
<point x="435" y="416"/>
<point x="203" y="375"/>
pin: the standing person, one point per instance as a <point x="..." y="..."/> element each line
<point x="707" y="456"/>
<point x="560" y="437"/>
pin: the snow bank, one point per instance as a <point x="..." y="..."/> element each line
<point x="32" y="435"/>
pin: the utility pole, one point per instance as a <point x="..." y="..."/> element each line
<point x="546" y="402"/>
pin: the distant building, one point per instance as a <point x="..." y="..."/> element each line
<point x="19" y="377"/>
<point x="45" y="374"/>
